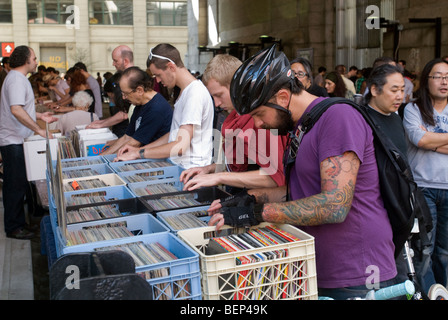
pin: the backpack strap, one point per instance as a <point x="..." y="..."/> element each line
<point x="308" y="121"/>
<point x="310" y="118"/>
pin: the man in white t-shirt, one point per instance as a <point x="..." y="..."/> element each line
<point x="18" y="121"/>
<point x="189" y="142"/>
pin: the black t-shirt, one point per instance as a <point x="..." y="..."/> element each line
<point x="392" y="126"/>
<point x="317" y="90"/>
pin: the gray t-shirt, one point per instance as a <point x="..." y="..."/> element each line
<point x="430" y="168"/>
<point x="95" y="87"/>
<point x="16" y="90"/>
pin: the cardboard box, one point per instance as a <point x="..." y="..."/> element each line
<point x="35" y="148"/>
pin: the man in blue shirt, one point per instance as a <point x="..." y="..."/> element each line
<point x="152" y="115"/>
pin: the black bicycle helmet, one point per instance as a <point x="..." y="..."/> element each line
<point x="258" y="78"/>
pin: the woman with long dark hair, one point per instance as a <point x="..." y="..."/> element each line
<point x="426" y="124"/>
<point x="335" y="86"/>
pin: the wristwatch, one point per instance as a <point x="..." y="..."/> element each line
<point x="142" y="153"/>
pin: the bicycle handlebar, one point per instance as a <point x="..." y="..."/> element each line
<point x="397" y="290"/>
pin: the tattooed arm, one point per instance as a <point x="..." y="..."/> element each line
<point x="338" y="180"/>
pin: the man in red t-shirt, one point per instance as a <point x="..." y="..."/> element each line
<point x="253" y="157"/>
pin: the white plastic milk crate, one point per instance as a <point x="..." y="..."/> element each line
<point x="285" y="271"/>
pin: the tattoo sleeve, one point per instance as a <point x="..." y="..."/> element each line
<point x="331" y="205"/>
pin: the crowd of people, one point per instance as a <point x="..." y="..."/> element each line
<point x="331" y="188"/>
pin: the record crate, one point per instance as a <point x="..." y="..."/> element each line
<point x="109" y="195"/>
<point x="126" y="206"/>
<point x="230" y="276"/>
<point x="121" y="208"/>
<point x="98" y="182"/>
<point x="86" y="171"/>
<point x="98" y="196"/>
<point x="183" y="199"/>
<point x="133" y="176"/>
<point x="169" y="218"/>
<point x="155" y="187"/>
<point x="80" y="162"/>
<point x="177" y="279"/>
<point x="137" y="224"/>
<point x="180" y="287"/>
<point x="141" y="164"/>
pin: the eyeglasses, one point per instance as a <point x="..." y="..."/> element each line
<point x="438" y="78"/>
<point x="126" y="94"/>
<point x="301" y="74"/>
<point x="152" y="55"/>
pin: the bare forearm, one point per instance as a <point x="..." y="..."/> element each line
<point x="433" y="140"/>
<point x="120" y="143"/>
<point x="115" y="119"/>
<point x="24" y="118"/>
<point x="161" y="148"/>
<point x="249" y="179"/>
<point x="159" y="152"/>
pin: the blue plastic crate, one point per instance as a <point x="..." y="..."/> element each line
<point x="139" y="224"/>
<point x="162" y="216"/>
<point x="102" y="168"/>
<point x="187" y="261"/>
<point x="48" y="245"/>
<point x="79" y="162"/>
<point x="181" y="287"/>
<point x="196" y="198"/>
<point x="172" y="172"/>
<point x="53" y="212"/>
<point x="110" y="158"/>
<point x="141" y="164"/>
<point x="125" y="207"/>
<point x="110" y="193"/>
<point x="157" y="187"/>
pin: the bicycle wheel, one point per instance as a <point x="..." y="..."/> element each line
<point x="438" y="292"/>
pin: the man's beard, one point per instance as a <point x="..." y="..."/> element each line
<point x="284" y="123"/>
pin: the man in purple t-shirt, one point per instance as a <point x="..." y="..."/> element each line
<point x="333" y="184"/>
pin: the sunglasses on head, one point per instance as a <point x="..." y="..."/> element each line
<point x="152" y="55"/>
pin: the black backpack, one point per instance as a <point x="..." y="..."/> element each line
<point x="402" y="199"/>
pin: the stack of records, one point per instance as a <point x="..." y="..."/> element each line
<point x="98" y="233"/>
<point x="185" y="220"/>
<point x="155" y="189"/>
<point x="144" y="165"/>
<point x="93" y="213"/>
